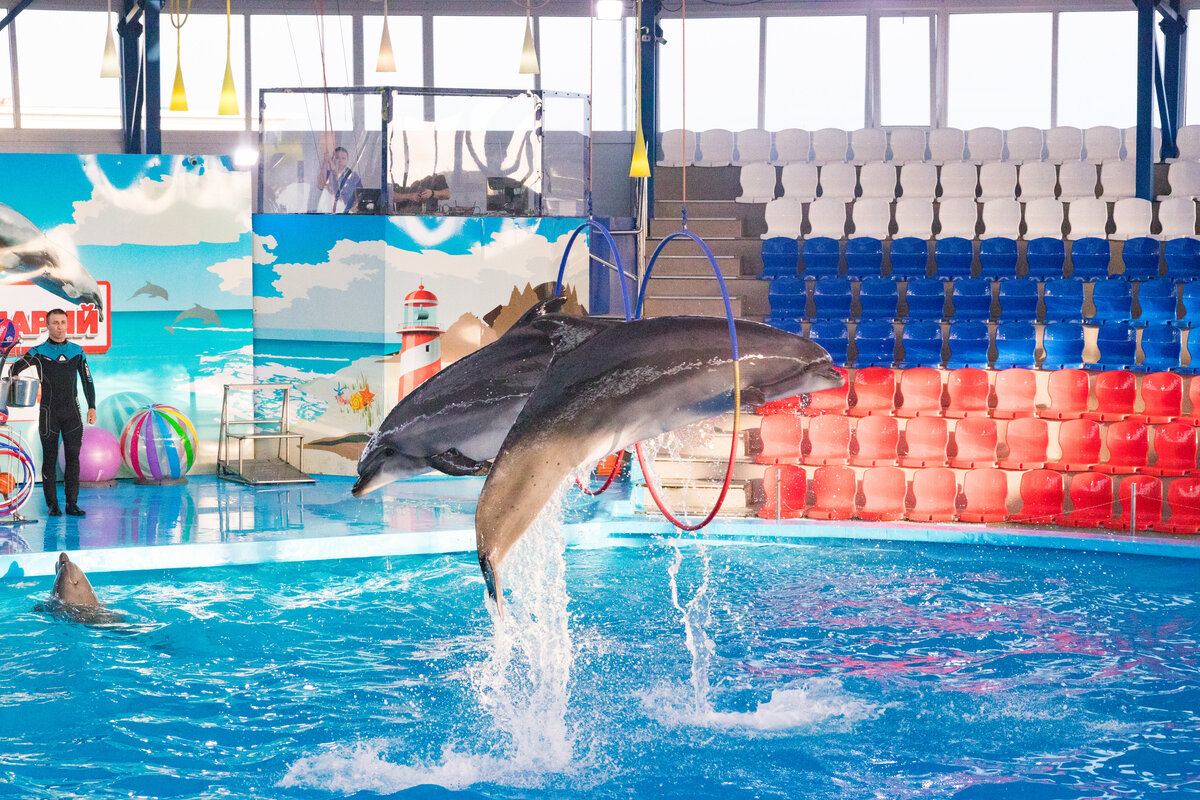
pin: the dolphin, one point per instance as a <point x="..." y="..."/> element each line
<point x="73" y="597"/>
<point x="455" y="421"/>
<point x="27" y="254"/>
<point x="631" y="382"/>
<point x="151" y="290"/>
<point x="206" y="315"/>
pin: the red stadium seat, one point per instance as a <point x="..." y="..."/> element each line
<point x="1091" y="501"/>
<point x="828" y="440"/>
<point x="782" y="439"/>
<point x="874" y="391"/>
<point x="1183" y="500"/>
<point x="1116" y="396"/>
<point x="1162" y="398"/>
<point x="1078" y="444"/>
<point x="1068" y="394"/>
<point x="1128" y="448"/>
<point x="1149" y="503"/>
<point x="883" y="491"/>
<point x="827" y="401"/>
<point x="878" y="439"/>
<point x="925" y="440"/>
<point x="986" y="493"/>
<point x="834" y="490"/>
<point x="785" y="487"/>
<point x="1041" y="497"/>
<point x="975" y="440"/>
<point x="1028" y="439"/>
<point x="968" y="390"/>
<point x="1193" y="416"/>
<point x="1016" y="390"/>
<point x="920" y="392"/>
<point x="935" y="495"/>
<point x="1174" y="450"/>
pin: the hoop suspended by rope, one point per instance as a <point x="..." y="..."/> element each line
<point x="18" y="487"/>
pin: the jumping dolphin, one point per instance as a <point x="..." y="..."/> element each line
<point x="26" y="254"/>
<point x="455" y="421"/>
<point x="73" y="597"/>
<point x="630" y="382"/>
<point x="151" y="290"/>
<point x="206" y="315"/>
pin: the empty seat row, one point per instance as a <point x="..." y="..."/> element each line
<point x="935" y="494"/>
<point x="720" y="147"/>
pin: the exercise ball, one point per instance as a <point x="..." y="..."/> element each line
<point x="99" y="456"/>
<point x="114" y="412"/>
<point x="159" y="443"/>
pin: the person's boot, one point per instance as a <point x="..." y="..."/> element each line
<point x="74" y="510"/>
<point x="53" y="510"/>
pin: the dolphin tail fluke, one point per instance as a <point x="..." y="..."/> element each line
<point x="492" y="581"/>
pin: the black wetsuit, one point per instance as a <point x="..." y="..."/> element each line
<point x="58" y="413"/>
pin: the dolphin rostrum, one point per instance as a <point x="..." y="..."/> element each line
<point x="27" y="254"/>
<point x="455" y="421"/>
<point x="630" y="382"/>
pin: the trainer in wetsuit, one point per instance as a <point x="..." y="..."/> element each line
<point x="59" y="362"/>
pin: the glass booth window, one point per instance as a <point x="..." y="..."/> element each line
<point x="905" y="67"/>
<point x="798" y="48"/>
<point x="291" y="50"/>
<point x="1097" y="80"/>
<point x="722" y="74"/>
<point x="61" y="92"/>
<point x="477" y="53"/>
<point x="202" y="52"/>
<point x="993" y="84"/>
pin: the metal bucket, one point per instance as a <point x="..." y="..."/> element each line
<point x="22" y="392"/>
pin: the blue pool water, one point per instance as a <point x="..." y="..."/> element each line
<point x="831" y="670"/>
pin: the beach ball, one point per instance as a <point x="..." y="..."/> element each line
<point x="114" y="412"/>
<point x="99" y="456"/>
<point x="8" y="334"/>
<point x="159" y="443"/>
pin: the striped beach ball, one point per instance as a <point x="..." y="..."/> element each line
<point x="159" y="443"/>
<point x="114" y="412"/>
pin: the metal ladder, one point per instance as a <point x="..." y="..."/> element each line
<point x="267" y="470"/>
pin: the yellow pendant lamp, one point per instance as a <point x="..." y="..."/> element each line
<point x="178" y="93"/>
<point x="387" y="60"/>
<point x="639" y="165"/>
<point x="229" y="102"/>
<point x="529" y="59"/>
<point x="110" y="65"/>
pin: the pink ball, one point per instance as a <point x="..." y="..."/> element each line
<point x="99" y="457"/>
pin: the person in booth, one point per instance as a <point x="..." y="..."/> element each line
<point x="340" y="181"/>
<point x="421" y="196"/>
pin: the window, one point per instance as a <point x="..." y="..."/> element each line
<point x="1097" y="75"/>
<point x="991" y="82"/>
<point x="201" y="50"/>
<point x="60" y="92"/>
<point x="799" y="48"/>
<point x="405" y="34"/>
<point x="566" y="62"/>
<point x="6" y="93"/>
<point x="905" y="66"/>
<point x="722" y="74"/>
<point x="287" y="52"/>
<point x="478" y="53"/>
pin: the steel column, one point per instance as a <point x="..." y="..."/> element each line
<point x="1144" y="176"/>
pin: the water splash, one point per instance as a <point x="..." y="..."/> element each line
<point x="696" y="618"/>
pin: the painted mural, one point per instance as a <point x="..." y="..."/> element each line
<point x="355" y="311"/>
<point x="151" y="257"/>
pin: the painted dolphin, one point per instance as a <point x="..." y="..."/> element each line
<point x="455" y="421"/>
<point x="26" y="254"/>
<point x="630" y="382"/>
<point x="73" y="597"/>
<point x="151" y="290"/>
<point x="206" y="316"/>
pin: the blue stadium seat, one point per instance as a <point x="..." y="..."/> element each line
<point x="1113" y="299"/>
<point x="1161" y="349"/>
<point x="972" y="299"/>
<point x="781" y="258"/>
<point x="834" y="337"/>
<point x="922" y="342"/>
<point x="832" y="299"/>
<point x="1183" y="259"/>
<point x="926" y="298"/>
<point x="864" y="258"/>
<point x="1063" y="345"/>
<point x="910" y="258"/>
<point x="1117" y="342"/>
<point x="879" y="299"/>
<point x="998" y="258"/>
<point x="789" y="324"/>
<point x="822" y="257"/>
<point x="1191" y="306"/>
<point x="1045" y="256"/>
<point x="968" y="345"/>
<point x="1019" y="300"/>
<point x="1089" y="258"/>
<point x="1157" y="302"/>
<point x="1063" y="298"/>
<point x="876" y="343"/>
<point x="1016" y="343"/>
<point x="954" y="257"/>
<point x="788" y="298"/>
<point x="1142" y="256"/>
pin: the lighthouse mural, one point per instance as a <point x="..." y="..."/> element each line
<point x="420" y="349"/>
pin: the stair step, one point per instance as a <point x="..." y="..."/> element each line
<point x="682" y="471"/>
<point x="702" y="226"/>
<point x="696" y="501"/>
<point x="662" y="306"/>
<point x="703" y="285"/>
<point x="696" y="266"/>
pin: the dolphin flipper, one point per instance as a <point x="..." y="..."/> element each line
<point x="455" y="463"/>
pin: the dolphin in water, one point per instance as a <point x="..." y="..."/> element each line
<point x="73" y="597"/>
<point x="631" y="382"/>
<point x="455" y="421"/>
<point x="151" y="290"/>
<point x="27" y="254"/>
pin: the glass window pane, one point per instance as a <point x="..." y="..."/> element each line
<point x="722" y="74"/>
<point x="1192" y="77"/>
<point x="990" y="83"/>
<point x="904" y="67"/>
<point x="477" y="53"/>
<point x="405" y="35"/>
<point x="6" y="94"/>
<point x="286" y="52"/>
<point x="203" y="58"/>
<point x="566" y="61"/>
<point x="800" y="47"/>
<point x="58" y="92"/>
<point x="1097" y="81"/>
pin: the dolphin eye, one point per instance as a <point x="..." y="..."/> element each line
<point x="389" y="452"/>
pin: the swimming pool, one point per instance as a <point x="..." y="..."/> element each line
<point x="811" y="670"/>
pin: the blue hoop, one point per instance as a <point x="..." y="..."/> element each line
<point x="612" y="246"/>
